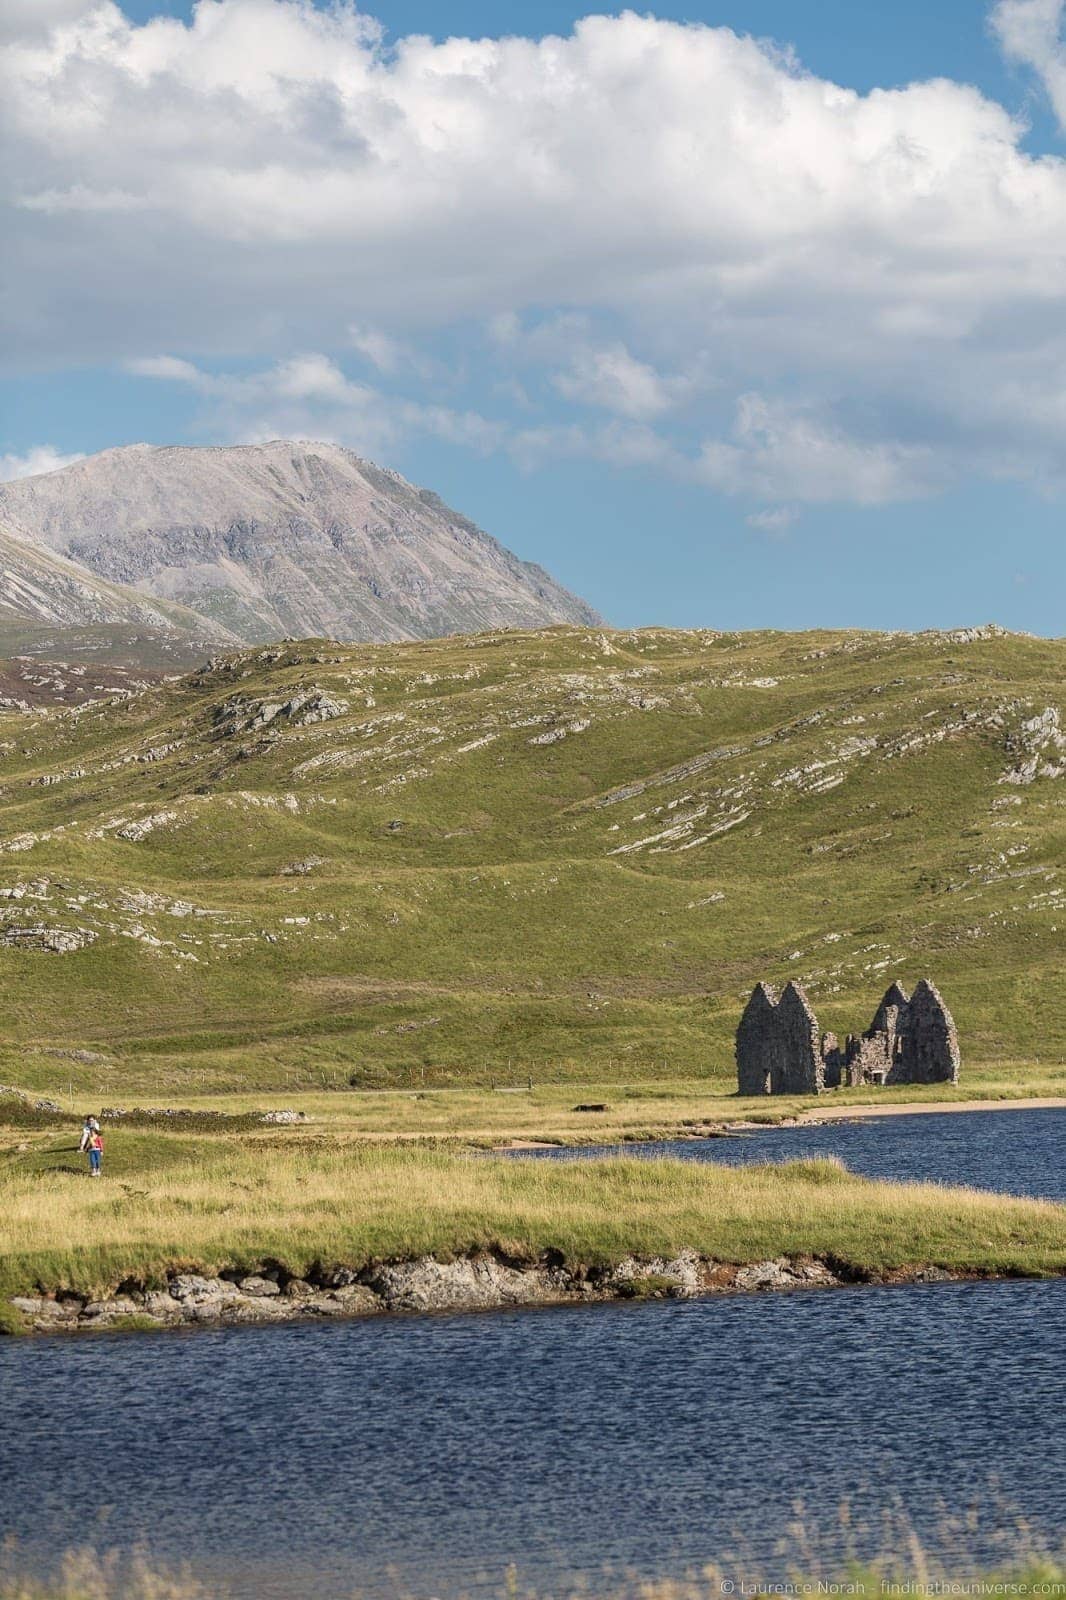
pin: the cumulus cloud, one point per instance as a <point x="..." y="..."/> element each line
<point x="1030" y="32"/>
<point x="29" y="18"/>
<point x="777" y="450"/>
<point x="41" y="458"/>
<point x="615" y="380"/>
<point x="377" y="347"/>
<point x="310" y="396"/>
<point x="774" y="284"/>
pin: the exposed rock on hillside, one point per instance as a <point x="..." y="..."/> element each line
<point x="1040" y="745"/>
<point x="58" y="941"/>
<point x="284" y="538"/>
<point x="475" y="1282"/>
<point x="369" y="860"/>
<point x="38" y="585"/>
<point x="241" y="715"/>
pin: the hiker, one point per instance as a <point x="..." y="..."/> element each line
<point x="96" y="1149"/>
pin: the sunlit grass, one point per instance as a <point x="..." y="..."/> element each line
<point x="215" y="1203"/>
<point x="548" y="1111"/>
<point x="470" y="921"/>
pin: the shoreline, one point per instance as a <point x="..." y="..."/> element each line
<point x="426" y="1286"/>
<point x="807" y="1116"/>
<point x="909" y="1108"/>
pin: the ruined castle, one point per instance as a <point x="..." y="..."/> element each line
<point x="781" y="1051"/>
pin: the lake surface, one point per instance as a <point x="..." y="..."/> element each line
<point x="422" y="1455"/>
<point x="1013" y="1152"/>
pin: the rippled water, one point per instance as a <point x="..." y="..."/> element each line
<point x="1013" y="1152"/>
<point x="314" y="1461"/>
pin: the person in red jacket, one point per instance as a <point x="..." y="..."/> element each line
<point x="96" y="1152"/>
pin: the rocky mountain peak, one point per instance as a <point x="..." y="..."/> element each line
<point x="288" y="537"/>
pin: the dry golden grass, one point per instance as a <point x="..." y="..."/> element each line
<point x="548" y="1110"/>
<point x="909" y="1566"/>
<point x="215" y="1202"/>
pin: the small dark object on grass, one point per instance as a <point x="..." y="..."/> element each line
<point x="596" y="1107"/>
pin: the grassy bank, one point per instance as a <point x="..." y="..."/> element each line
<point x="194" y="1201"/>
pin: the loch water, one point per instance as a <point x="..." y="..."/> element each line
<point x="424" y="1456"/>
<point x="1019" y="1152"/>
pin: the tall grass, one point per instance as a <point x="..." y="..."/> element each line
<point x="219" y="1204"/>
<point x="1016" y="1563"/>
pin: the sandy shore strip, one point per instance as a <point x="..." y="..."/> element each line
<point x="716" y="1127"/>
<point x="911" y="1108"/>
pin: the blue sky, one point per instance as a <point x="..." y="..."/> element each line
<point x="723" y="336"/>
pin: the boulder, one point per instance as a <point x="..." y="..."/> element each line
<point x="469" y="1284"/>
<point x="256" y="1285"/>
<point x="194" y="1291"/>
<point x="298" y="1289"/>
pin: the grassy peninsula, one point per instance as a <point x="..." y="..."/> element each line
<point x="195" y="1202"/>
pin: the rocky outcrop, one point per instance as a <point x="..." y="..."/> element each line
<point x="780" y="1051"/>
<point x="32" y="1102"/>
<point x="241" y="715"/>
<point x="140" y="828"/>
<point x="57" y="941"/>
<point x="1039" y="746"/>
<point x="479" y="1282"/>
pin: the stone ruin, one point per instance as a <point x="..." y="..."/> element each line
<point x="780" y="1049"/>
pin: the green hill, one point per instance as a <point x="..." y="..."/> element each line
<point x="568" y="853"/>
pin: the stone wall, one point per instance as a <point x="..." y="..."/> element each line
<point x="778" y="1045"/>
<point x="757" y="1042"/>
<point x="927" y="1045"/>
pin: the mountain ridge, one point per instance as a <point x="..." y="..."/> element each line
<point x="286" y="538"/>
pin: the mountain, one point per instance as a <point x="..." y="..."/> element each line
<point x="569" y="852"/>
<point x="39" y="586"/>
<point x="284" y="539"/>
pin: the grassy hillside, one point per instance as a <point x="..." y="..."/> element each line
<point x="565" y="854"/>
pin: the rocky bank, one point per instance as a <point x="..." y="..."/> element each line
<point x="469" y="1283"/>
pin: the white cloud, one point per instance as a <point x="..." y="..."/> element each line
<point x="779" y="451"/>
<point x="614" y="380"/>
<point x="309" y="396"/>
<point x="26" y="18"/>
<point x="41" y="458"/>
<point x="1030" y="32"/>
<point x="693" y="219"/>
<point x="775" y="519"/>
<point x="171" y="367"/>
<point x="383" y="352"/>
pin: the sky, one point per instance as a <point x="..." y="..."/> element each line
<point x="743" y="314"/>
